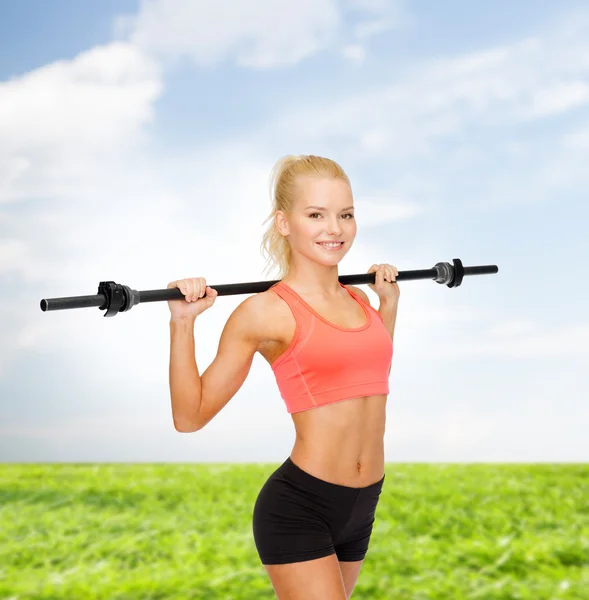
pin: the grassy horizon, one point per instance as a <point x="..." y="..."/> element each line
<point x="443" y="531"/>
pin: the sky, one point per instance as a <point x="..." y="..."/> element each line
<point x="136" y="144"/>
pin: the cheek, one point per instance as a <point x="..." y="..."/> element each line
<point x="303" y="230"/>
<point x="308" y="227"/>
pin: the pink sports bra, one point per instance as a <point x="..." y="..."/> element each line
<point x="325" y="363"/>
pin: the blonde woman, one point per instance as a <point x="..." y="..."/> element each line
<point x="331" y="353"/>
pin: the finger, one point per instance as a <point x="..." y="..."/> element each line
<point x="187" y="289"/>
<point x="192" y="287"/>
<point x="197" y="287"/>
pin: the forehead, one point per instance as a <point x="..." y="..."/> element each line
<point x="329" y="192"/>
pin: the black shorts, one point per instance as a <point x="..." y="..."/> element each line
<point x="299" y="517"/>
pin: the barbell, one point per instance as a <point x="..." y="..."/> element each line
<point x="116" y="297"/>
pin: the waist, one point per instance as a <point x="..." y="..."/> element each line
<point x="343" y="443"/>
<point x="339" y="468"/>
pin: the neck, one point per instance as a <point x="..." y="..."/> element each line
<point x="321" y="287"/>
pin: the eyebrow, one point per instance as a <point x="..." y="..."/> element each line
<point x="323" y="208"/>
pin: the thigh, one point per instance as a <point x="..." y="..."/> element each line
<point x="350" y="571"/>
<point x="317" y="579"/>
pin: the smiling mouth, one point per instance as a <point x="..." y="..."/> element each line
<point x="340" y="245"/>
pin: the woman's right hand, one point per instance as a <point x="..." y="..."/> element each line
<point x="197" y="298"/>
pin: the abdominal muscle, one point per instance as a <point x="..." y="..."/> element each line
<point x="341" y="442"/>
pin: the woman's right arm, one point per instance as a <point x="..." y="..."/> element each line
<point x="195" y="399"/>
<point x="185" y="382"/>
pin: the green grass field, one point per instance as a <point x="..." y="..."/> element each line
<point x="116" y="531"/>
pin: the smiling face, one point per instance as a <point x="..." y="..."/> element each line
<point x="323" y="212"/>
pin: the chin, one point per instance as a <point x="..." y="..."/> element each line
<point x="337" y="256"/>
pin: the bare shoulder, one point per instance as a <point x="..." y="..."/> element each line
<point x="260" y="314"/>
<point x="247" y="315"/>
<point x="359" y="292"/>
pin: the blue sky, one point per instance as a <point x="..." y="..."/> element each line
<point x="136" y="141"/>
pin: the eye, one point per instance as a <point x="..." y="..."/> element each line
<point x="344" y="215"/>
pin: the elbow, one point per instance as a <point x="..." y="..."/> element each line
<point x="184" y="416"/>
<point x="185" y="426"/>
<point x="186" y="430"/>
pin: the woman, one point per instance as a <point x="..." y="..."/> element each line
<point x="331" y="353"/>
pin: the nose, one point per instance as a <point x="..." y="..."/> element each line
<point x="333" y="227"/>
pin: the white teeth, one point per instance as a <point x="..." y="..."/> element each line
<point x="330" y="245"/>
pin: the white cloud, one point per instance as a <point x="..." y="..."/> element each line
<point x="513" y="327"/>
<point x="384" y="15"/>
<point x="578" y="139"/>
<point x="79" y="426"/>
<point x="102" y="96"/>
<point x="14" y="253"/>
<point x="355" y="53"/>
<point x="62" y="124"/>
<point x="436" y="99"/>
<point x="380" y="210"/>
<point x="138" y="225"/>
<point x="469" y="432"/>
<point x="69" y="131"/>
<point x="257" y="34"/>
<point x="377" y="7"/>
<point x="375" y="141"/>
<point x="456" y="429"/>
<point x="559" y="97"/>
<point x="368" y="29"/>
<point x="515" y="339"/>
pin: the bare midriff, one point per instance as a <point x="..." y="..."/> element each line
<point x="341" y="442"/>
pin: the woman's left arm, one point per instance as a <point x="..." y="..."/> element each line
<point x="388" y="312"/>
<point x="385" y="286"/>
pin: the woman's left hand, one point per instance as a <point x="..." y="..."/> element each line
<point x="385" y="284"/>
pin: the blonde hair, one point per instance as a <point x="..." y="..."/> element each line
<point x="282" y="187"/>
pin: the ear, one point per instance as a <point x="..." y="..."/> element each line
<point x="281" y="222"/>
